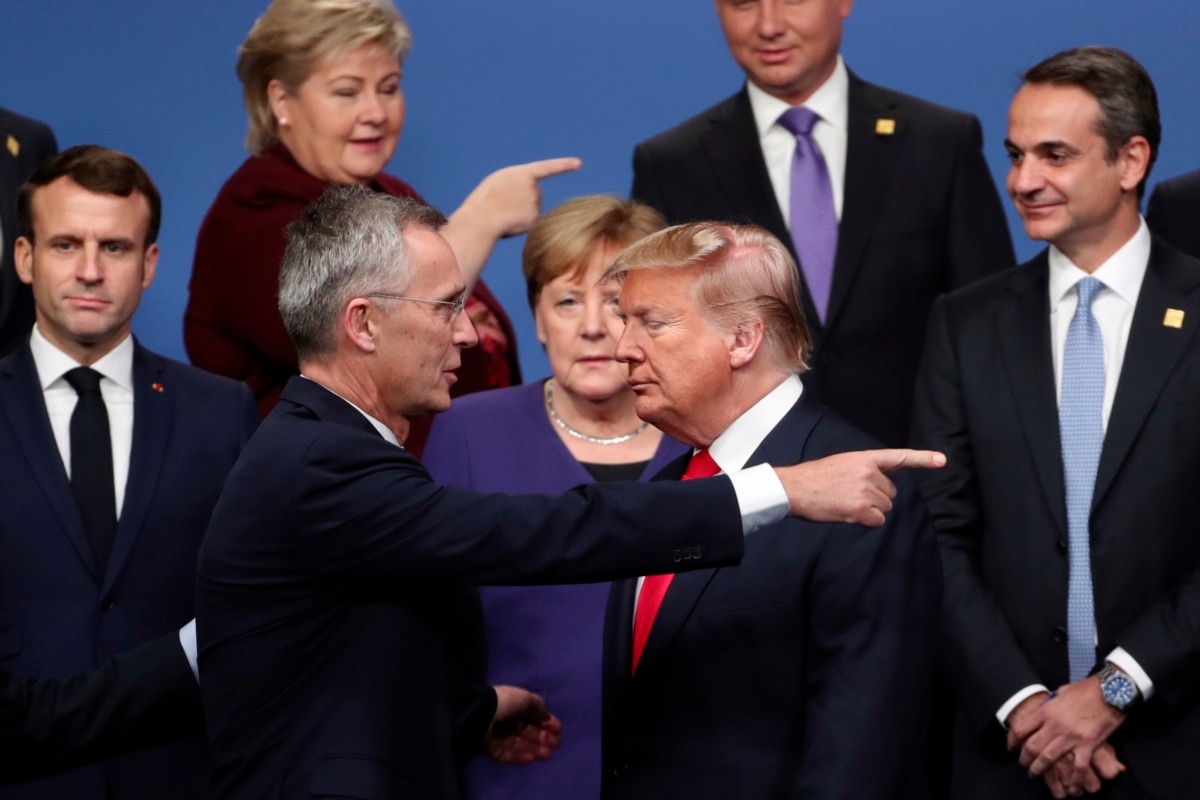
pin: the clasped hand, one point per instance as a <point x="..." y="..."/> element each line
<point x="1064" y="738"/>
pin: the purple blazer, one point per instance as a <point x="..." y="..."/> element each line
<point x="547" y="639"/>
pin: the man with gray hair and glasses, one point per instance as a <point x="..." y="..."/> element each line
<point x="339" y="639"/>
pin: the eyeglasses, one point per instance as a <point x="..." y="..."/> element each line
<point x="455" y="305"/>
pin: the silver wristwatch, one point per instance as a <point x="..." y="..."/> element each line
<point x="1118" y="688"/>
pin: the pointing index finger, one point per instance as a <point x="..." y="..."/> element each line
<point x="891" y="460"/>
<point x="553" y="166"/>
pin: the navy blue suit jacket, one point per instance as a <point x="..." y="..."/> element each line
<point x="24" y="144"/>
<point x="920" y="216"/>
<point x="330" y="622"/>
<point x="59" y="614"/>
<point x="1174" y="212"/>
<point x="802" y="672"/>
<point x="987" y="399"/>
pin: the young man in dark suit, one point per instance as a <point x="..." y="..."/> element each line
<point x="25" y="144"/>
<point x="905" y="207"/>
<point x="114" y="457"/>
<point x="1064" y="392"/>
<point x="803" y="671"/>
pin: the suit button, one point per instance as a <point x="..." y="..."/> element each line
<point x="1061" y="547"/>
<point x="697" y="552"/>
<point x="1060" y="634"/>
<point x="108" y="604"/>
<point x="676" y="556"/>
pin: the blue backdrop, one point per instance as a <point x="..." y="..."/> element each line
<point x="492" y="83"/>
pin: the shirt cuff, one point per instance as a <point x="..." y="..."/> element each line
<point x="760" y="495"/>
<point x="1121" y="659"/>
<point x="187" y="640"/>
<point x="1015" y="700"/>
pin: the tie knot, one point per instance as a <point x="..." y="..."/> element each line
<point x="799" y="120"/>
<point x="702" y="465"/>
<point x="83" y="379"/>
<point x="1088" y="288"/>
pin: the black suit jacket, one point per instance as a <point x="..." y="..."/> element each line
<point x="986" y="397"/>
<point x="330" y="651"/>
<point x="1174" y="212"/>
<point x="803" y="672"/>
<point x="33" y="143"/>
<point x="920" y="217"/>
<point x="59" y="613"/>
<point x="147" y="696"/>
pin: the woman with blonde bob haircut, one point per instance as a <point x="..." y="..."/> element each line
<point x="577" y="426"/>
<point x="321" y="84"/>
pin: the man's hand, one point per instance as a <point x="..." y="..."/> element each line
<point x="850" y="487"/>
<point x="522" y="730"/>
<point x="1073" y="726"/>
<point x="1104" y="767"/>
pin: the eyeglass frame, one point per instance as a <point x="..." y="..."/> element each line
<point x="458" y="305"/>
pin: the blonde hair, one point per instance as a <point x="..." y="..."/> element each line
<point x="293" y="36"/>
<point x="563" y="239"/>
<point x="746" y="276"/>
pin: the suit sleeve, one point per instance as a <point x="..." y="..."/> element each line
<point x="869" y="657"/>
<point x="982" y="659"/>
<point x="137" y="699"/>
<point x="978" y="239"/>
<point x="372" y="521"/>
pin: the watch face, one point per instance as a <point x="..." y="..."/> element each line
<point x="1119" y="691"/>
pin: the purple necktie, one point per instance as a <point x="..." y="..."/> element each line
<point x="813" y="220"/>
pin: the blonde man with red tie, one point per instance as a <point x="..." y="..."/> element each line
<point x="803" y="671"/>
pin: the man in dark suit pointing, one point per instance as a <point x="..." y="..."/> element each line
<point x="884" y="199"/>
<point x="331" y="610"/>
<point x="1064" y="392"/>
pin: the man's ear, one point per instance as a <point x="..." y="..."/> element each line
<point x="360" y="324"/>
<point x="745" y="342"/>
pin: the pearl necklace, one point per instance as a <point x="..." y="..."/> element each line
<point x="562" y="423"/>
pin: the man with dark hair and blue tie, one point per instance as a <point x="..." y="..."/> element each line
<point x="1064" y="393"/>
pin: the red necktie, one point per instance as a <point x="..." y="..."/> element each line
<point x="654" y="587"/>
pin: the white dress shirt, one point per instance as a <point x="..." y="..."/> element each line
<point x="831" y="101"/>
<point x="1113" y="307"/>
<point x="116" y="387"/>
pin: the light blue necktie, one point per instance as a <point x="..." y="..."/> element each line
<point x="1080" y="418"/>
<point x="813" y="220"/>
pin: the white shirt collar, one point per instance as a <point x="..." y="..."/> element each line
<point x="831" y="101"/>
<point x="1122" y="273"/>
<point x="52" y="363"/>
<point x="733" y="448"/>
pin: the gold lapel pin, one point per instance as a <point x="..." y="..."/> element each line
<point x="1173" y="318"/>
<point x="885" y="127"/>
<point x="13" y="145"/>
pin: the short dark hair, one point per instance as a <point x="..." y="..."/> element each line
<point x="1122" y="87"/>
<point x="97" y="169"/>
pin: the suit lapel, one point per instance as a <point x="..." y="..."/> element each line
<point x="780" y="446"/>
<point x="21" y="400"/>
<point x="152" y="416"/>
<point x="1023" y="333"/>
<point x="870" y="160"/>
<point x="1151" y="354"/>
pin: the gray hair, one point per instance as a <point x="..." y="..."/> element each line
<point x="348" y="243"/>
<point x="746" y="276"/>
